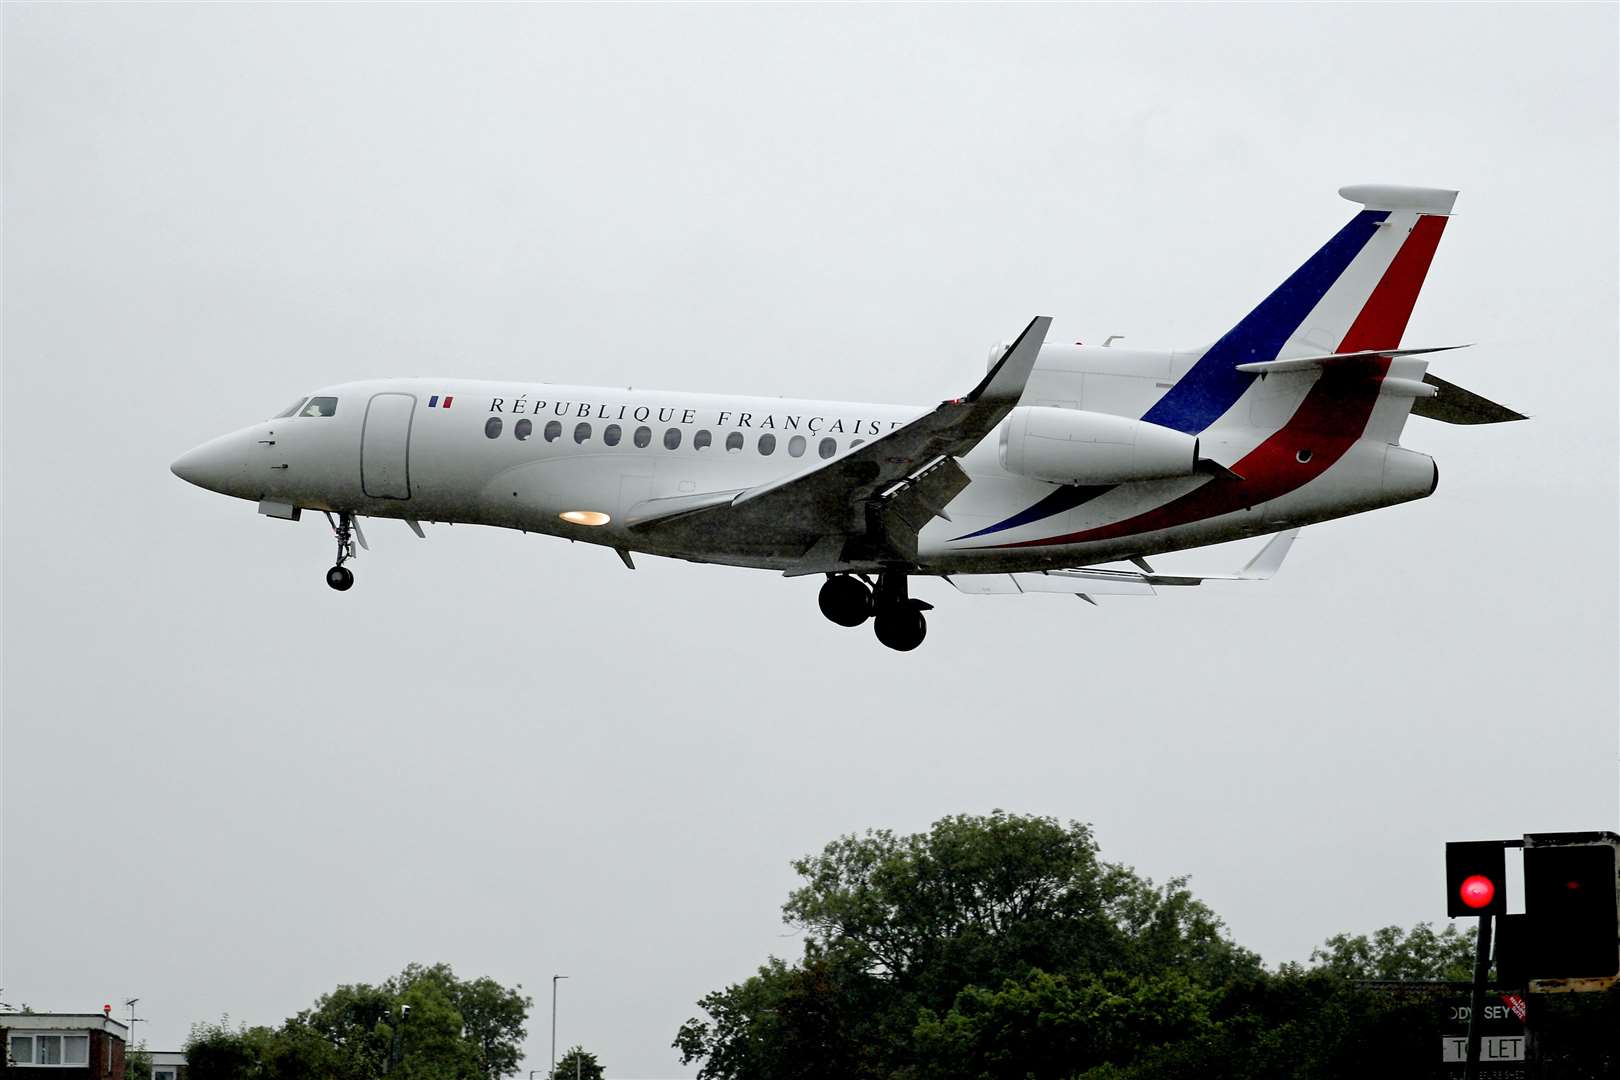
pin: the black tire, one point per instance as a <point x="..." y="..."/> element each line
<point x="845" y="600"/>
<point x="340" y="578"/>
<point x="901" y="628"/>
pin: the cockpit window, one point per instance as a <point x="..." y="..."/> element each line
<point x="319" y="406"/>
<point x="291" y="410"/>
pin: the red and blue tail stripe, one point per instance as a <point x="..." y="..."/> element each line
<point x="1213" y="385"/>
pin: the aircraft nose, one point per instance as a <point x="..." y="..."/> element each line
<point x="213" y="465"/>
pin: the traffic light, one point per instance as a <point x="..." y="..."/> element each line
<point x="1476" y="878"/>
<point x="1574" y="917"/>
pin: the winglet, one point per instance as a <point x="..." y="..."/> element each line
<point x="1264" y="565"/>
<point x="1005" y="382"/>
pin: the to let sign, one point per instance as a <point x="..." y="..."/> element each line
<point x="1492" y="1048"/>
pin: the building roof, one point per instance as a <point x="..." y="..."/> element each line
<point x="63" y="1022"/>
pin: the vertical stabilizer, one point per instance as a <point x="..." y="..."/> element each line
<point x="1356" y="293"/>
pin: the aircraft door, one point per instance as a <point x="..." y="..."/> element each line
<point x="385" y="446"/>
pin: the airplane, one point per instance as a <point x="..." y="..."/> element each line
<point x="1061" y="458"/>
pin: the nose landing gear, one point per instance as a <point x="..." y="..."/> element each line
<point x="340" y="577"/>
<point x="896" y="618"/>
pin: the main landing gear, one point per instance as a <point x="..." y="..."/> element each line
<point x="896" y="618"/>
<point x="340" y="577"/>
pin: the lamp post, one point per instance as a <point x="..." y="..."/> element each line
<point x="554" y="980"/>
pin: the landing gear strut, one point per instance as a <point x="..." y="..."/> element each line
<point x="899" y="621"/>
<point x="340" y="577"/>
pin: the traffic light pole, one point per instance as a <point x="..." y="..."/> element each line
<point x="1476" y="999"/>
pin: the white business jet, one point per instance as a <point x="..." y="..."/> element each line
<point x="1061" y="458"/>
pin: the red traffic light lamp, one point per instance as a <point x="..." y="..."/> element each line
<point x="1476" y="878"/>
<point x="1477" y="891"/>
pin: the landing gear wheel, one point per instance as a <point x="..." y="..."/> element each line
<point x="846" y="600"/>
<point x="340" y="577"/>
<point x="901" y="628"/>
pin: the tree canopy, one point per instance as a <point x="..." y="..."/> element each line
<point x="577" y="1064"/>
<point x="422" y="1024"/>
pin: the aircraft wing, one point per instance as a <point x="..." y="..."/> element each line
<point x="1089" y="581"/>
<point x="869" y="502"/>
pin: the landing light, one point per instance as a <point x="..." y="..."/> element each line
<point x="585" y="517"/>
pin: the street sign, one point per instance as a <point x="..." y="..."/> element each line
<point x="1493" y="1049"/>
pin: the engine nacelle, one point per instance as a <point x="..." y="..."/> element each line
<point x="1072" y="446"/>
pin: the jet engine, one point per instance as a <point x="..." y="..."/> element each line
<point x="1072" y="446"/>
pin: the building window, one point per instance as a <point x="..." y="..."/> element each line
<point x="554" y="431"/>
<point x="610" y="434"/>
<point x="162" y="1074"/>
<point x="523" y="428"/>
<point x="581" y="432"/>
<point x="643" y="437"/>
<point x="49" y="1049"/>
<point x="796" y="446"/>
<point x="767" y="445"/>
<point x="828" y="447"/>
<point x="702" y="439"/>
<point x="492" y="428"/>
<point x="672" y="439"/>
<point x="734" y="442"/>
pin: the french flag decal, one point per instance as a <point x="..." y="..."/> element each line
<point x="435" y="403"/>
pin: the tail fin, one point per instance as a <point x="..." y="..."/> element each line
<point x="1355" y="294"/>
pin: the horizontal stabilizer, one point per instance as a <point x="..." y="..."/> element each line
<point x="1393" y="197"/>
<point x="1305" y="363"/>
<point x="1452" y="404"/>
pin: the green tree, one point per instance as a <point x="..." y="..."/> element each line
<point x="494" y="1017"/>
<point x="984" y="899"/>
<point x="899" y="928"/>
<point x="217" y="1051"/>
<point x="1393" y="953"/>
<point x="423" y="1024"/>
<point x="1049" y="1027"/>
<point x="137" y="1063"/>
<point x="577" y="1064"/>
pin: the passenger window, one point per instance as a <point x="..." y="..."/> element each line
<point x="734" y="442"/>
<point x="581" y="432"/>
<point x="767" y="445"/>
<point x="701" y="440"/>
<point x="828" y="448"/>
<point x="320" y="406"/>
<point x="610" y="434"/>
<point x="856" y="443"/>
<point x="291" y="410"/>
<point x="554" y="431"/>
<point x="672" y="439"/>
<point x="492" y="428"/>
<point x="796" y="446"/>
<point x="643" y="437"/>
<point x="523" y="428"/>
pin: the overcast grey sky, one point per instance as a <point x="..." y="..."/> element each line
<point x="228" y="789"/>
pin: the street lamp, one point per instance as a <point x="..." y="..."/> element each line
<point x="554" y="980"/>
